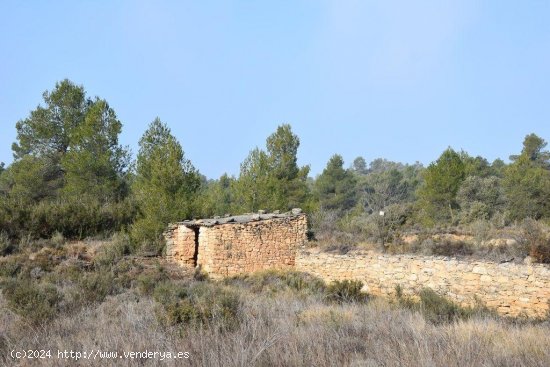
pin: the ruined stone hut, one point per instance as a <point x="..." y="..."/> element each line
<point x="230" y="245"/>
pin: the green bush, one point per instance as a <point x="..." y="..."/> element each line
<point x="346" y="291"/>
<point x="94" y="287"/>
<point x="37" y="303"/>
<point x="438" y="309"/>
<point x="14" y="216"/>
<point x="198" y="304"/>
<point x="6" y="246"/>
<point x="10" y="266"/>
<point x="273" y="281"/>
<point x="148" y="280"/>
<point x="78" y="217"/>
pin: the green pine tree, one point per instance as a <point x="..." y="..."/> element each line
<point x="335" y="187"/>
<point x="442" y="179"/>
<point x="527" y="181"/>
<point x="165" y="183"/>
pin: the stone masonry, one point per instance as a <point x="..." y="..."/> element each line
<point x="510" y="289"/>
<point x="238" y="244"/>
<point x="246" y="243"/>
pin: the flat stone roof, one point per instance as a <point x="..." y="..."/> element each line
<point x="243" y="218"/>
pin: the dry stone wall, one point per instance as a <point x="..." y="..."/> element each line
<point x="180" y="244"/>
<point x="241" y="244"/>
<point x="230" y="249"/>
<point x="510" y="289"/>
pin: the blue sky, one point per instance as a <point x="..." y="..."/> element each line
<point x="396" y="79"/>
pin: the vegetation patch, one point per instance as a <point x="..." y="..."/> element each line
<point x="346" y="291"/>
<point x="438" y="309"/>
<point x="274" y="281"/>
<point x="37" y="303"/>
<point x="198" y="304"/>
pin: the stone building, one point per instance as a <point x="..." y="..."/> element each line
<point x="238" y="244"/>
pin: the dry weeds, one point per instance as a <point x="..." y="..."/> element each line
<point x="285" y="329"/>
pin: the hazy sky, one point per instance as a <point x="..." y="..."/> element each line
<point x="396" y="79"/>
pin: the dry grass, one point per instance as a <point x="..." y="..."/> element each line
<point x="285" y="330"/>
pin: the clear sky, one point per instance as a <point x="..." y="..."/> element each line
<point x="395" y="79"/>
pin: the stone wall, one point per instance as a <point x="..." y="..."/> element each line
<point x="180" y="244"/>
<point x="230" y="249"/>
<point x="510" y="289"/>
<point x="240" y="244"/>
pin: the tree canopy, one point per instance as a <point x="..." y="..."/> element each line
<point x="164" y="184"/>
<point x="272" y="180"/>
<point x="442" y="179"/>
<point x="70" y="145"/>
<point x="527" y="180"/>
<point x="335" y="186"/>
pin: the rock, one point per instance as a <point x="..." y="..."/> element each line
<point x="511" y="242"/>
<point x="296" y="211"/>
<point x="528" y="260"/>
<point x="479" y="270"/>
<point x="485" y="278"/>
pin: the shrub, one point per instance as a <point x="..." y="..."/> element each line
<point x="198" y="304"/>
<point x="111" y="253"/>
<point x="146" y="284"/>
<point x="94" y="287"/>
<point x="78" y="217"/>
<point x="154" y="247"/>
<point x="438" y="309"/>
<point x="58" y="239"/>
<point x="200" y="275"/>
<point x="303" y="282"/>
<point x="537" y="240"/>
<point x="10" y="266"/>
<point x="346" y="291"/>
<point x="273" y="281"/>
<point x="475" y="211"/>
<point x="451" y="248"/>
<point x="540" y="252"/>
<point x="6" y="246"/>
<point x="35" y="303"/>
<point x="481" y="230"/>
<point x="443" y="247"/>
<point x="147" y="281"/>
<point x="26" y="242"/>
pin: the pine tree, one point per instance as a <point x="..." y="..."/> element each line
<point x="164" y="185"/>
<point x="335" y="187"/>
<point x="527" y="180"/>
<point x="272" y="180"/>
<point x="442" y="179"/>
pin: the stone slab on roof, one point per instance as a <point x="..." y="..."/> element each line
<point x="243" y="218"/>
